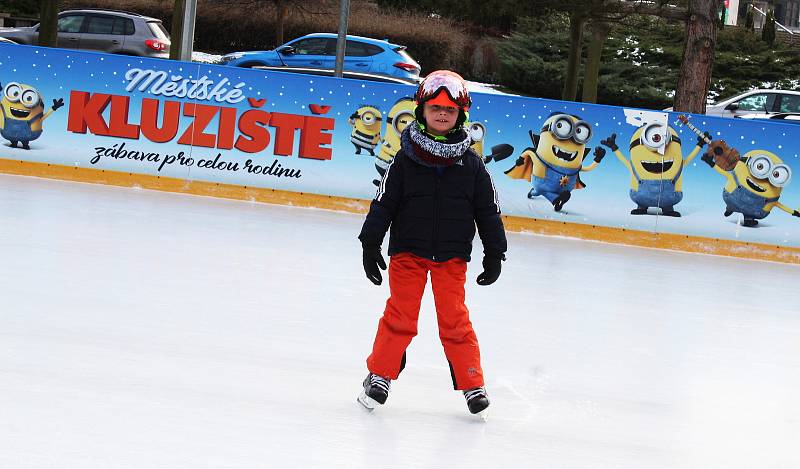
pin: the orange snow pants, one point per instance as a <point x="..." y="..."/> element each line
<point x="408" y="275"/>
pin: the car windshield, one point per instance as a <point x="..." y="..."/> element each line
<point x="158" y="30"/>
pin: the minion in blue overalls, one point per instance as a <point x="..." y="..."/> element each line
<point x="754" y="185"/>
<point x="554" y="163"/>
<point x="22" y="114"/>
<point x="656" y="167"/>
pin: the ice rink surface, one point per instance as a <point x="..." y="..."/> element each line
<point x="141" y="329"/>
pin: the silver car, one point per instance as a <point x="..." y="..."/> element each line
<point x="115" y="32"/>
<point x="764" y="102"/>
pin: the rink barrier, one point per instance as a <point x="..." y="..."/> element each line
<point x="295" y="139"/>
<point x="664" y="241"/>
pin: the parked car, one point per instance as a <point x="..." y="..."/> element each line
<point x="115" y="32"/>
<point x="789" y="117"/>
<point x="318" y="51"/>
<point x="345" y="74"/>
<point x="757" y="101"/>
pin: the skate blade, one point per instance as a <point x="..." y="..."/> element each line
<point x="483" y="415"/>
<point x="367" y="402"/>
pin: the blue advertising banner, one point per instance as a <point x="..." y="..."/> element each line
<point x="577" y="163"/>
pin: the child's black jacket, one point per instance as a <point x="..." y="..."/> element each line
<point x="433" y="211"/>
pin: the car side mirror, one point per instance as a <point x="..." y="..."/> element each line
<point x="286" y="50"/>
<point x="732" y="107"/>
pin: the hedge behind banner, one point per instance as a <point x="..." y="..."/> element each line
<point x="335" y="137"/>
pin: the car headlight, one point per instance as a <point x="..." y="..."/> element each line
<point x="228" y="57"/>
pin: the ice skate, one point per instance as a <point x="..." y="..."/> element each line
<point x="478" y="402"/>
<point x="375" y="392"/>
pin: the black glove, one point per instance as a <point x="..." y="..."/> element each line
<point x="599" y="154"/>
<point x="708" y="159"/>
<point x="57" y="103"/>
<point x="611" y="142"/>
<point x="491" y="269"/>
<point x="372" y="260"/>
<point x="796" y="214"/>
<point x="701" y="141"/>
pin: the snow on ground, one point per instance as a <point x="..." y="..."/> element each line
<point x="141" y="329"/>
<point x="205" y="58"/>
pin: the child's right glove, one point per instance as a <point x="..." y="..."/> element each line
<point x="373" y="259"/>
<point x="491" y="269"/>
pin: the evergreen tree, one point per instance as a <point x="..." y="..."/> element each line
<point x="640" y="61"/>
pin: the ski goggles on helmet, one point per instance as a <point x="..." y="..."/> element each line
<point x="444" y="88"/>
<point x="654" y="138"/>
<point x="15" y="94"/>
<point x="564" y="127"/>
<point x="761" y="167"/>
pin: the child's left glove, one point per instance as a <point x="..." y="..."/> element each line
<point x="491" y="269"/>
<point x="373" y="259"/>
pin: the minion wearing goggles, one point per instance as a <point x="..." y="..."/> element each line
<point x="22" y="114"/>
<point x="554" y="163"/>
<point x="754" y="185"/>
<point x="366" y="133"/>
<point x="656" y="167"/>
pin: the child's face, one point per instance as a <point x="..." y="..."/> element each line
<point x="440" y="119"/>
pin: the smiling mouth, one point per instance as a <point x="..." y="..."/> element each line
<point x="20" y="113"/>
<point x="564" y="155"/>
<point x="755" y="186"/>
<point x="657" y="167"/>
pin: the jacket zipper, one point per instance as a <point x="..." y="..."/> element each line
<point x="436" y="216"/>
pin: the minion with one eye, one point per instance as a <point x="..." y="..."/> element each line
<point x="554" y="163"/>
<point x="754" y="185"/>
<point x="656" y="167"/>
<point x="22" y="114"/>
<point x="366" y="133"/>
<point x="400" y="115"/>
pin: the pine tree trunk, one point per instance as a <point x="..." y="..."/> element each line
<point x="48" y="31"/>
<point x="600" y="30"/>
<point x="698" y="57"/>
<point x="576" y="22"/>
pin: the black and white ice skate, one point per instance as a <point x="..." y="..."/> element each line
<point x="375" y="393"/>
<point x="477" y="401"/>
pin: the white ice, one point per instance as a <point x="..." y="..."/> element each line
<point x="141" y="329"/>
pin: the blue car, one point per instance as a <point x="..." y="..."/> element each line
<point x="318" y="51"/>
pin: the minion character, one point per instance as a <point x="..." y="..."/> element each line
<point x="366" y="134"/>
<point x="754" y="185"/>
<point x="477" y="132"/>
<point x="400" y="115"/>
<point x="555" y="161"/>
<point x="656" y="167"/>
<point x="22" y="114"/>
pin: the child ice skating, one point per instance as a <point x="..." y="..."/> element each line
<point x="431" y="198"/>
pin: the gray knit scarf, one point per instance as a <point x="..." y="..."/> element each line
<point x="428" y="152"/>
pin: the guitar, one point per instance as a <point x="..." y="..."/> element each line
<point x="723" y="155"/>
